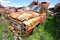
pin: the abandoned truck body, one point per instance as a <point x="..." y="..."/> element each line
<point x="26" y="21"/>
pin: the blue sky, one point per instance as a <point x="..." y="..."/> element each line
<point x="19" y="3"/>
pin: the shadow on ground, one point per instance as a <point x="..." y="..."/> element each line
<point x="52" y="26"/>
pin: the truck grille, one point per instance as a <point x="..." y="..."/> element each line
<point x="20" y="27"/>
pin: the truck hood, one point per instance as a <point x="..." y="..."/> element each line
<point x="23" y="15"/>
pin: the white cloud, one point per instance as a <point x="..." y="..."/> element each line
<point x="51" y="6"/>
<point x="13" y="5"/>
<point x="8" y="3"/>
<point x="5" y="2"/>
